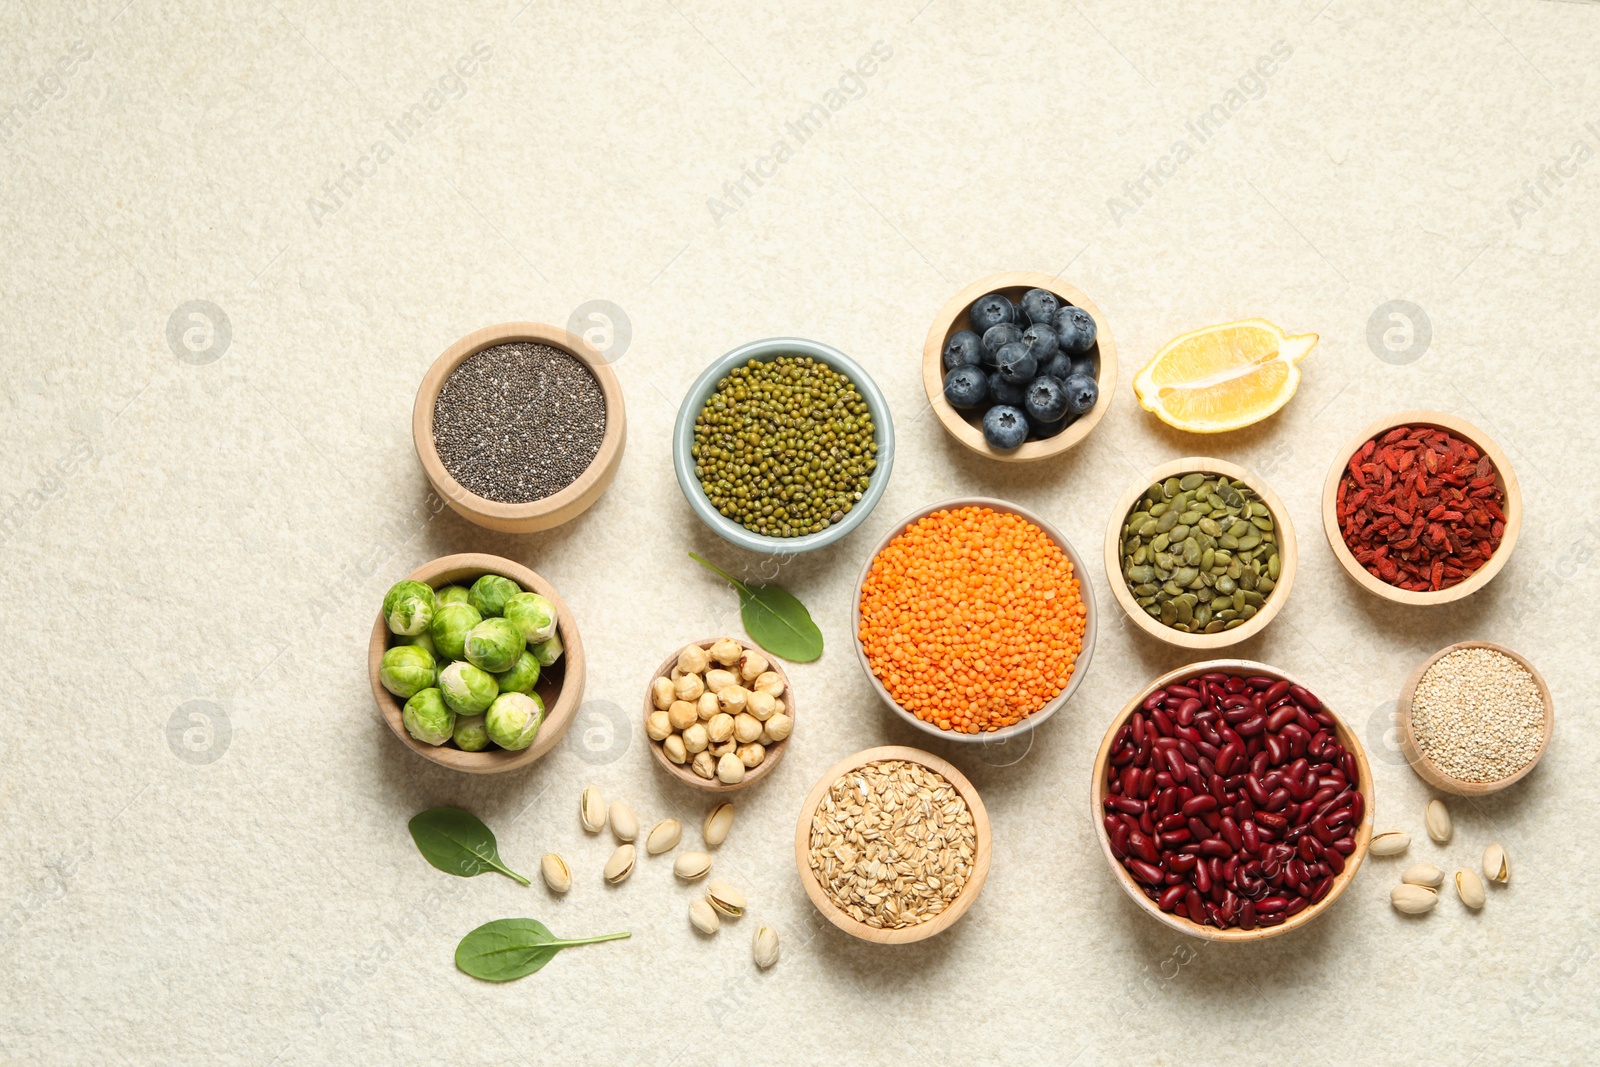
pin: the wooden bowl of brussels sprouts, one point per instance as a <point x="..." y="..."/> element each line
<point x="476" y="663"/>
<point x="1054" y="330"/>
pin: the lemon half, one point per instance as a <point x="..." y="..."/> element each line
<point x="1223" y="377"/>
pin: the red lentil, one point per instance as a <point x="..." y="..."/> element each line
<point x="1420" y="508"/>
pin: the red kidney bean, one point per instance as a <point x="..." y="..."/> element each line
<point x="1303" y="696"/>
<point x="1277" y="750"/>
<point x="1275" y="692"/>
<point x="1163" y="722"/>
<point x="1126" y="804"/>
<point x="1143" y="847"/>
<point x="1228" y="755"/>
<point x="1333" y="860"/>
<point x="1250" y="837"/>
<point x="1123" y="757"/>
<point x="1358" y="808"/>
<point x="1280" y="718"/>
<point x="1320" y="890"/>
<point x="1200" y="802"/>
<point x="1338" y="819"/>
<point x="1307" y="723"/>
<point x="1171" y="895"/>
<point x="1129" y="782"/>
<point x="1277" y="800"/>
<point x="1153" y="701"/>
<point x="1172" y="822"/>
<point x="1231" y="834"/>
<point x="1268" y="905"/>
<point x="1252" y="726"/>
<point x="1202" y="876"/>
<point x="1146" y="823"/>
<point x="1174" y="838"/>
<point x="1145" y="872"/>
<point x="1215" y="846"/>
<point x="1295" y="906"/>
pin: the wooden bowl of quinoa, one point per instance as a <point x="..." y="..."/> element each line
<point x="529" y="472"/>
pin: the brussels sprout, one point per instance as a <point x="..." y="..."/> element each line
<point x="452" y="594"/>
<point x="547" y="652"/>
<point x="408" y="607"/>
<point x="466" y="689"/>
<point x="522" y="677"/>
<point x="427" y="718"/>
<point x="533" y="614"/>
<point x="406" y="670"/>
<point x="422" y="640"/>
<point x="471" y="735"/>
<point x="494" y="645"/>
<point x="513" y="719"/>
<point x="490" y="593"/>
<point x="450" y="625"/>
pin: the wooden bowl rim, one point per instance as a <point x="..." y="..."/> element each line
<point x="982" y="855"/>
<point x="765" y="350"/>
<point x="1460" y="428"/>
<point x="753" y="775"/>
<point x="1288" y="549"/>
<point x="1431" y="772"/>
<point x="558" y="715"/>
<point x="1352" y="863"/>
<point x="1080" y="666"/>
<point x="595" y="477"/>
<point x="972" y="436"/>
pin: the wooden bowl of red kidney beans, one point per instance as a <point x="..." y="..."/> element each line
<point x="1232" y="804"/>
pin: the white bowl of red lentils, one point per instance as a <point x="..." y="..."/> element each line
<point x="974" y="619"/>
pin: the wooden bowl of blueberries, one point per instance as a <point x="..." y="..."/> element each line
<point x="1019" y="366"/>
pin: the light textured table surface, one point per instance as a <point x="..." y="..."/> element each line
<point x="202" y="816"/>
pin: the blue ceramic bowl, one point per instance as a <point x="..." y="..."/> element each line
<point x="771" y="348"/>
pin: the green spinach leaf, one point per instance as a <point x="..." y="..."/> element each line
<point x="773" y="617"/>
<point x="458" y="843"/>
<point x="511" y="948"/>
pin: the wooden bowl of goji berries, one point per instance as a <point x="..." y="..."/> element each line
<point x="974" y="619"/>
<point x="1231" y="804"/>
<point x="1422" y="508"/>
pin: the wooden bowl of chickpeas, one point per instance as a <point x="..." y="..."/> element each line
<point x="719" y="714"/>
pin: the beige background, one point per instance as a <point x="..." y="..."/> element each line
<point x="231" y="881"/>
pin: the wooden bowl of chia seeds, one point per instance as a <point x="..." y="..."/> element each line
<point x="520" y="426"/>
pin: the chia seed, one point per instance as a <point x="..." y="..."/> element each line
<point x="519" y="422"/>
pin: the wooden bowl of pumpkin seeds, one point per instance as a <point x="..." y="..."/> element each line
<point x="1200" y="553"/>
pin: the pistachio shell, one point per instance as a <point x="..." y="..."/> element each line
<point x="719" y="820"/>
<point x="620" y="865"/>
<point x="1496" y="865"/>
<point x="557" y="875"/>
<point x="703" y="916"/>
<point x="592" y="810"/>
<point x="1413" y="899"/>
<point x="726" y="899"/>
<point x="764" y="947"/>
<point x="663" y="837"/>
<point x="1389" y="843"/>
<point x="691" y="865"/>
<point x="1469" y="887"/>
<point x="624" y="823"/>
<point x="1423" y="874"/>
<point x="1440" y="827"/>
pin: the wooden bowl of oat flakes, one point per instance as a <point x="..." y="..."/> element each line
<point x="904" y="800"/>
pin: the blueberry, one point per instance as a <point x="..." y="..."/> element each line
<point x="962" y="350"/>
<point x="989" y="311"/>
<point x="1045" y="399"/>
<point x="1040" y="431"/>
<point x="997" y="337"/>
<point x="1005" y="427"/>
<point x="1041" y="341"/>
<point x="1015" y="363"/>
<point x="1058" y="367"/>
<point x="1004" y="392"/>
<point x="1076" y="329"/>
<point x="966" y="387"/>
<point x="1039" y="305"/>
<point x="1083" y="364"/>
<point x="1082" y="392"/>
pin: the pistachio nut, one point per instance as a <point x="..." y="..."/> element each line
<point x="705" y="765"/>
<point x="620" y="865"/>
<point x="694" y="660"/>
<point x="691" y="865"/>
<point x="730" y="769"/>
<point x="1438" y="821"/>
<point x="663" y="837"/>
<point x="719" y="820"/>
<point x="1413" y="899"/>
<point x="1423" y="874"/>
<point x="557" y="875"/>
<point x="1469" y="887"/>
<point x="1496" y="865"/>
<point x="592" y="810"/>
<point x="726" y="652"/>
<point x="658" y="726"/>
<point x="661" y="694"/>
<point x="624" y="823"/>
<point x="1389" y="843"/>
<point x="764" y="947"/>
<point x="703" y="916"/>
<point x="726" y="899"/>
<point x="674" y="750"/>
